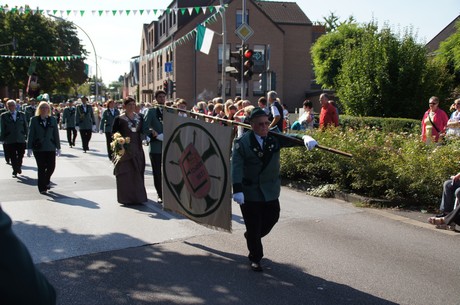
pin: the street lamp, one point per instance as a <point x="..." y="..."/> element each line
<point x="92" y="44"/>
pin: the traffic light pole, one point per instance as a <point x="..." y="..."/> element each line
<point x="92" y="44"/>
<point x="243" y="20"/>
<point x="224" y="51"/>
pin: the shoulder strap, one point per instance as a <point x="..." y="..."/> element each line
<point x="432" y="123"/>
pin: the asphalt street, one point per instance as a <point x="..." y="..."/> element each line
<point x="322" y="251"/>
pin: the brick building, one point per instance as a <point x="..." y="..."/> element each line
<point x="282" y="38"/>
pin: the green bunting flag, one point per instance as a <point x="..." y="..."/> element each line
<point x="27" y="10"/>
<point x="45" y="58"/>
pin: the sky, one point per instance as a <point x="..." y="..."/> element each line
<point x="117" y="38"/>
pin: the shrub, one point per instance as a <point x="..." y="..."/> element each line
<point x="394" y="166"/>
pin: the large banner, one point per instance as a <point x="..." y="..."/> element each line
<point x="196" y="170"/>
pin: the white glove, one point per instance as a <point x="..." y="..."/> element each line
<point x="77" y="128"/>
<point x="58" y="152"/>
<point x="310" y="143"/>
<point x="159" y="137"/>
<point x="146" y="141"/>
<point x="238" y="198"/>
<point x="29" y="153"/>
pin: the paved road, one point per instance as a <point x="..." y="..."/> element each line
<point x="95" y="251"/>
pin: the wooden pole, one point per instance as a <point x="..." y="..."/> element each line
<point x="247" y="126"/>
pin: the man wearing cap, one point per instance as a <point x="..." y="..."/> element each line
<point x="85" y="122"/>
<point x="13" y="133"/>
<point x="30" y="109"/>
<point x="154" y="130"/>
<point x="256" y="182"/>
<point x="68" y="120"/>
<point x="108" y="116"/>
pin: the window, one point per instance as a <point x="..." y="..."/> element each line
<point x="219" y="57"/>
<point x="259" y="59"/>
<point x="238" y="88"/>
<point x="239" y="17"/>
<point x="256" y="88"/>
<point x="228" y="85"/>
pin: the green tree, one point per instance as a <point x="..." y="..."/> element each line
<point x="332" y="22"/>
<point x="449" y="54"/>
<point x="377" y="73"/>
<point x="327" y="53"/>
<point x="41" y="36"/>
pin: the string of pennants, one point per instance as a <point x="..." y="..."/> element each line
<point x="44" y="58"/>
<point x="182" y="10"/>
<point x="179" y="41"/>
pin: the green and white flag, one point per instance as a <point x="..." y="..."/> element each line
<point x="203" y="39"/>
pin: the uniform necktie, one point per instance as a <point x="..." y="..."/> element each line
<point x="263" y="141"/>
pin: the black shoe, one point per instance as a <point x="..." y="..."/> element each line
<point x="84" y="151"/>
<point x="441" y="215"/>
<point x="43" y="192"/>
<point x="19" y="171"/>
<point x="14" y="175"/>
<point x="48" y="186"/>
<point x="256" y="267"/>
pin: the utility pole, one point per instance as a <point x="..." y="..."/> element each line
<point x="224" y="51"/>
<point x="243" y="21"/>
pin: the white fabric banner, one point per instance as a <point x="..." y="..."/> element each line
<point x="196" y="170"/>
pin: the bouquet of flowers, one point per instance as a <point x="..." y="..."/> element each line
<point x="119" y="146"/>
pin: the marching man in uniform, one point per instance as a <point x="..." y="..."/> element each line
<point x="256" y="182"/>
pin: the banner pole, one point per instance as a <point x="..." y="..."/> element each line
<point x="247" y="126"/>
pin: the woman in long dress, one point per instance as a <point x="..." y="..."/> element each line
<point x="129" y="169"/>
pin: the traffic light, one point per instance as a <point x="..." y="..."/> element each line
<point x="165" y="86"/>
<point x="263" y="81"/>
<point x="92" y="88"/>
<point x="234" y="69"/>
<point x="248" y="63"/>
<point x="172" y="87"/>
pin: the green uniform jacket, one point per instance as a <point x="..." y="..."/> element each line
<point x="85" y="120"/>
<point x="30" y="112"/>
<point x="13" y="131"/>
<point x="107" y="119"/>
<point x="21" y="282"/>
<point x="154" y="120"/>
<point x="48" y="136"/>
<point x="256" y="172"/>
<point x="68" y="117"/>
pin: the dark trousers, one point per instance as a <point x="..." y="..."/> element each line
<point x="46" y="163"/>
<point x="453" y="217"/>
<point x="5" y="153"/>
<point x="259" y="217"/>
<point x="155" y="160"/>
<point x="108" y="139"/>
<point x="71" y="135"/>
<point x="86" y="137"/>
<point x="16" y="153"/>
<point x="450" y="191"/>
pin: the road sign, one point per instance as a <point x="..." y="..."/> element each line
<point x="168" y="66"/>
<point x="244" y="31"/>
<point x="257" y="56"/>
